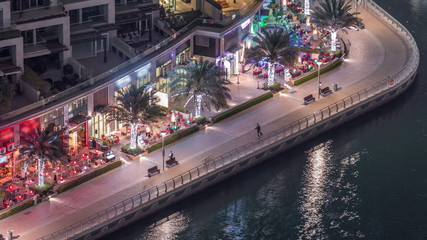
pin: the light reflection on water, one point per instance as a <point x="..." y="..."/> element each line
<point x="166" y="228"/>
<point x="328" y="196"/>
<point x="313" y="192"/>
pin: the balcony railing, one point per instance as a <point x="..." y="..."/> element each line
<point x="108" y="75"/>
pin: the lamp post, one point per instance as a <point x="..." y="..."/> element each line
<point x="163" y="133"/>
<point x="319" y="84"/>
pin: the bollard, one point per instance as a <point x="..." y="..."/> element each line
<point x="9" y="234"/>
<point x="335" y="87"/>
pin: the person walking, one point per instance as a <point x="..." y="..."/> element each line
<point x="258" y="130"/>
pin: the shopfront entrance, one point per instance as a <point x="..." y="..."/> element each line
<point x="78" y="136"/>
<point x="6" y="165"/>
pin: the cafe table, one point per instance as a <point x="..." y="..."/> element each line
<point x="29" y="182"/>
<point x="29" y="193"/>
<point x="12" y="189"/>
<point x="19" y="198"/>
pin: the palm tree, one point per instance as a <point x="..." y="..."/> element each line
<point x="273" y="44"/>
<point x="201" y="81"/>
<point x="135" y="105"/>
<point x="41" y="147"/>
<point x="7" y="91"/>
<point x="335" y="15"/>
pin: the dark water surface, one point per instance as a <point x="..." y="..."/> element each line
<point x="366" y="179"/>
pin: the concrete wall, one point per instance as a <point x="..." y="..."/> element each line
<point x="212" y="9"/>
<point x="5" y="8"/>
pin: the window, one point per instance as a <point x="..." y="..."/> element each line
<point x="202" y="41"/>
<point x="95" y="13"/>
<point x="74" y="16"/>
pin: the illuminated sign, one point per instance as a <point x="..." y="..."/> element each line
<point x="245" y="23"/>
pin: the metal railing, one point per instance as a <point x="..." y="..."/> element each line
<point x="281" y="135"/>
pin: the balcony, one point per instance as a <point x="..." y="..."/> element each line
<point x="38" y="14"/>
<point x="43" y="47"/>
<point x="90" y="25"/>
<point x="8" y="32"/>
<point x="9" y="68"/>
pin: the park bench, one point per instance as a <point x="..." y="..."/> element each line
<point x="153" y="171"/>
<point x="171" y="162"/>
<point x="309" y="99"/>
<point x="325" y="91"/>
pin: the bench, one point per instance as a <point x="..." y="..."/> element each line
<point x="325" y="91"/>
<point x="309" y="99"/>
<point x="153" y="171"/>
<point x="171" y="162"/>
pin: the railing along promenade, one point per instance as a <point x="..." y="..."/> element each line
<point x="127" y="67"/>
<point x="283" y="134"/>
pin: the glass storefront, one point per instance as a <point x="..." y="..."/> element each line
<point x="99" y="126"/>
<point x="55" y="118"/>
<point x="182" y="57"/>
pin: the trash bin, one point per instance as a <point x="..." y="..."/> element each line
<point x="9" y="234"/>
<point x="334" y="87"/>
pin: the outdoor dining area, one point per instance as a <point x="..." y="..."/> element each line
<point x="16" y="189"/>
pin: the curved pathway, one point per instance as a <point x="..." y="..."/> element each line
<point x="375" y="53"/>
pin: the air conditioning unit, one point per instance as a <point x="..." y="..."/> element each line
<point x="10" y="146"/>
<point x="2" y="150"/>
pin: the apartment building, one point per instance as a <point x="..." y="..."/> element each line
<point x="89" y="33"/>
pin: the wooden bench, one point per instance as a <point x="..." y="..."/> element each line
<point x="171" y="162"/>
<point x="153" y="171"/>
<point x="309" y="99"/>
<point x="325" y="91"/>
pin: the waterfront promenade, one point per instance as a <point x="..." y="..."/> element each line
<point x="375" y="53"/>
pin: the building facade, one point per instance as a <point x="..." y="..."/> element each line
<point x="61" y="33"/>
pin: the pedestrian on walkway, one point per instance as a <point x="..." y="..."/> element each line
<point x="258" y="130"/>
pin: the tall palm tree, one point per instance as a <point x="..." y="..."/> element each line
<point x="7" y="91"/>
<point x="41" y="147"/>
<point x="334" y="15"/>
<point x="135" y="105"/>
<point x="273" y="43"/>
<point x="201" y="81"/>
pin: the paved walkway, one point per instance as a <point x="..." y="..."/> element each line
<point x="375" y="53"/>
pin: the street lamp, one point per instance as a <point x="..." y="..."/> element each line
<point x="319" y="84"/>
<point x="163" y="133"/>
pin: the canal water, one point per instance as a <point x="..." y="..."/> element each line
<point x="366" y="179"/>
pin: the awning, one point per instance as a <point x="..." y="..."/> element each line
<point x="235" y="48"/>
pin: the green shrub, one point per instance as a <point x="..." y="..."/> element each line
<point x="17" y="208"/>
<point x="126" y="149"/>
<point x="307" y="50"/>
<point x="275" y="87"/>
<point x="183" y="110"/>
<point x="166" y="109"/>
<point x="241" y="107"/>
<point x="36" y="82"/>
<point x="43" y="189"/>
<point x="200" y="120"/>
<point x="89" y="176"/>
<point x="174" y="137"/>
<point x="322" y="71"/>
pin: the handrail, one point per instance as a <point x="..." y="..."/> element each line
<point x="288" y="132"/>
<point x="108" y="74"/>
